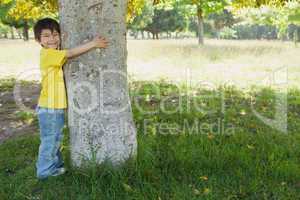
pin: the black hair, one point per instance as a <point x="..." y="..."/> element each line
<point x="46" y="23"/>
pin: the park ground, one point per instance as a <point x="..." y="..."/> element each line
<point x="236" y="157"/>
<point x="242" y="63"/>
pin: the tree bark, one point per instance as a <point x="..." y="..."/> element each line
<point x="12" y="33"/>
<point x="143" y="34"/>
<point x="200" y="26"/>
<point x="25" y="31"/>
<point x="135" y="35"/>
<point x="99" y="111"/>
<point x="296" y="37"/>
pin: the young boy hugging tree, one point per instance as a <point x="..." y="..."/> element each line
<point x="52" y="101"/>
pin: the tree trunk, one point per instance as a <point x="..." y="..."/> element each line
<point x="99" y="110"/>
<point x="19" y="33"/>
<point x="143" y="34"/>
<point x="25" y="31"/>
<point x="200" y="25"/>
<point x="12" y="33"/>
<point x="148" y="35"/>
<point x="135" y="35"/>
<point x="218" y="34"/>
<point x="296" y="37"/>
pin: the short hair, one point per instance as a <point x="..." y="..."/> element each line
<point x="46" y="23"/>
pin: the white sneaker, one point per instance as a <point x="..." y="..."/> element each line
<point x="59" y="171"/>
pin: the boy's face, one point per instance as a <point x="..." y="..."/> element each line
<point x="50" y="39"/>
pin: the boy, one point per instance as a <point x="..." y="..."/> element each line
<point x="52" y="102"/>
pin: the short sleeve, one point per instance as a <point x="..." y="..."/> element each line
<point x="54" y="58"/>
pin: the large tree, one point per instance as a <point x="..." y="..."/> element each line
<point x="99" y="110"/>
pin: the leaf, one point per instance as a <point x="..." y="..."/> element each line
<point x="196" y="192"/>
<point x="206" y="191"/>
<point x="204" y="178"/>
<point x="127" y="187"/>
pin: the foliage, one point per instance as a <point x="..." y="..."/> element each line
<point x="238" y="4"/>
<point x="279" y="16"/>
<point x="222" y="19"/>
<point x="4" y="29"/>
<point x="167" y="18"/>
<point x="207" y="6"/>
<point x="144" y="18"/>
<point x="228" y="33"/>
<point x="245" y="30"/>
<point x="135" y="8"/>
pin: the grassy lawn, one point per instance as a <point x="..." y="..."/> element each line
<point x="243" y="63"/>
<point x="238" y="158"/>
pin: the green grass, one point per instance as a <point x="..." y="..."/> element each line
<point x="254" y="162"/>
<point x="244" y="62"/>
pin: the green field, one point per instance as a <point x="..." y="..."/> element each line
<point x="249" y="160"/>
<point x="242" y="63"/>
<point x="213" y="152"/>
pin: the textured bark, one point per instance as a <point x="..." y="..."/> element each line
<point x="25" y="31"/>
<point x="99" y="111"/>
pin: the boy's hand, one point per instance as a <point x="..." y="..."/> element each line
<point x="97" y="42"/>
<point x="100" y="42"/>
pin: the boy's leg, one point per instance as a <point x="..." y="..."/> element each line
<point x="51" y="122"/>
<point x="60" y="121"/>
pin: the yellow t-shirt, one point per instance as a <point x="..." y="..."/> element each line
<point x="53" y="93"/>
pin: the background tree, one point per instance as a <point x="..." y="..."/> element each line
<point x="202" y="8"/>
<point x="221" y="20"/>
<point x="280" y="15"/>
<point x="142" y="20"/>
<point x="21" y="13"/>
<point x="4" y="30"/>
<point x="167" y="18"/>
<point x="24" y="13"/>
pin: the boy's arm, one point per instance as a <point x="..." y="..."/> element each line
<point x="77" y="51"/>
<point x="97" y="42"/>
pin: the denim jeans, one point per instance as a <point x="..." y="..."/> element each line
<point x="51" y="123"/>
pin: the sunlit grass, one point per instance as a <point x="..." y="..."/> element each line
<point x="243" y="62"/>
<point x="253" y="162"/>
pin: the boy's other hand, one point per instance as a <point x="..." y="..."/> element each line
<point x="100" y="42"/>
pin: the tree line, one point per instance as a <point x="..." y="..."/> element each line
<point x="226" y="19"/>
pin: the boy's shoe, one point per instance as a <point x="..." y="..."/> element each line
<point x="59" y="171"/>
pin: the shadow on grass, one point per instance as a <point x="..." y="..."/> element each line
<point x="254" y="162"/>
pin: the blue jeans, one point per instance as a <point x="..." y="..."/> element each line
<point x="51" y="122"/>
